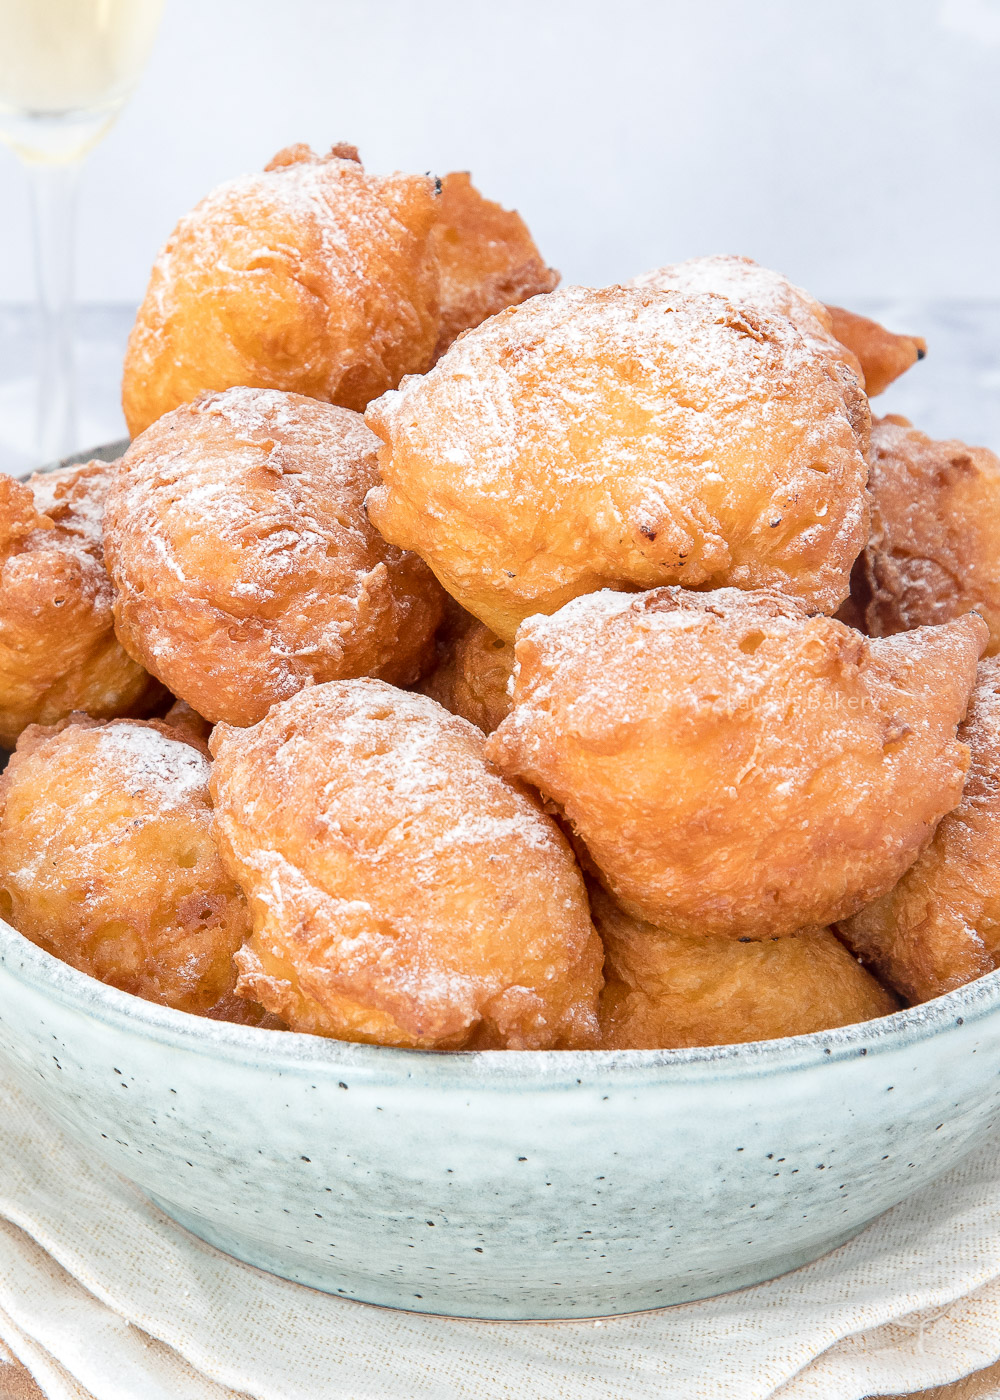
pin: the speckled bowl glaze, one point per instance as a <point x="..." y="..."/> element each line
<point x="504" y="1185"/>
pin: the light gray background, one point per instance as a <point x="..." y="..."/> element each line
<point x="851" y="143"/>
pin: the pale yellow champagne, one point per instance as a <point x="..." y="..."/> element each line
<point x="66" y="69"/>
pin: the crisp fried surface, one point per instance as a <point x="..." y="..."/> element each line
<point x="625" y="437"/>
<point x="486" y="257"/>
<point x="313" y="277"/>
<point x="108" y="860"/>
<point x="934" y="551"/>
<point x="188" y="723"/>
<point x="883" y="355"/>
<point x="940" y="926"/>
<point x="733" y="765"/>
<point x="244" y="563"/>
<point x="746" y="284"/>
<point x="402" y="891"/>
<point x="667" y="990"/>
<point x="471" y="676"/>
<point x="58" y="650"/>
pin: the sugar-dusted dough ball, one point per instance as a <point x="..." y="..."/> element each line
<point x="313" y="277"/>
<point x="883" y="355"/>
<point x="58" y="650"/>
<point x="733" y="765"/>
<point x="934" y="551"/>
<point x="626" y="438"/>
<point x="486" y="257"/>
<point x="667" y="990"/>
<point x="402" y="891"/>
<point x="108" y="861"/>
<point x="940" y="926"/>
<point x="472" y="676"/>
<point x="245" y="565"/>
<point x="746" y="284"/>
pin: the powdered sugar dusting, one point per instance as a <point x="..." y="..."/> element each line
<point x="626" y="435"/>
<point x="244" y="562"/>
<point x="745" y="283"/>
<point x="389" y="862"/>
<point x="735" y="765"/>
<point x="168" y="768"/>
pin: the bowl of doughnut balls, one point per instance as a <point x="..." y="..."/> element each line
<point x="503" y="806"/>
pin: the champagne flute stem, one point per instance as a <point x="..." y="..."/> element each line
<point x="53" y="199"/>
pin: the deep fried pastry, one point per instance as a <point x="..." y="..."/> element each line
<point x="402" y="892"/>
<point x="58" y="650"/>
<point x="625" y="438"/>
<point x="934" y="551"/>
<point x="188" y="723"/>
<point x="733" y="765"/>
<point x="486" y="257"/>
<point x="108" y="861"/>
<point x="883" y="355"/>
<point x="940" y="926"/>
<point x="746" y="284"/>
<point x="314" y="277"/>
<point x="666" y="990"/>
<point x="244" y="563"/>
<point x="471" y="676"/>
<point x="876" y="356"/>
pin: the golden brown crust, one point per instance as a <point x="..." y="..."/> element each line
<point x="883" y="355"/>
<point x="402" y="892"/>
<point x="472" y="675"/>
<point x="191" y="726"/>
<point x="58" y="650"/>
<point x="313" y="277"/>
<point x="625" y="438"/>
<point x="486" y="256"/>
<point x="748" y="285"/>
<point x="668" y="990"/>
<point x="734" y="766"/>
<point x="108" y="861"/>
<point x="940" y="926"/>
<point x="244" y="563"/>
<point x="934" y="551"/>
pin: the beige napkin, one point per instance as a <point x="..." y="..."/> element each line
<point x="103" y="1298"/>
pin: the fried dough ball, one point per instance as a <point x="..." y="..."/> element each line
<point x="313" y="277"/>
<point x="666" y="990"/>
<point x="188" y="723"/>
<point x="625" y="438"/>
<point x="746" y="284"/>
<point x="734" y="766"/>
<point x="244" y="563"/>
<point x="876" y="356"/>
<point x="402" y="891"/>
<point x="940" y="927"/>
<point x="486" y="257"/>
<point x="108" y="861"/>
<point x="883" y="355"/>
<point x="934" y="551"/>
<point x="472" y="675"/>
<point x="58" y="650"/>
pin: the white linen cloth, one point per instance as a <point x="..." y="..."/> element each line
<point x="103" y="1298"/>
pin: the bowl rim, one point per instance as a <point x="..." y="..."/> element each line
<point x="292" y="1052"/>
<point x="312" y="1055"/>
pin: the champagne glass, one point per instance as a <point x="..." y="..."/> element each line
<point x="67" y="67"/>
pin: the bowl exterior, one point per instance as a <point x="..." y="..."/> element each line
<point x="499" y="1186"/>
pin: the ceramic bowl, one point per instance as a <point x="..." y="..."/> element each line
<point x="511" y="1185"/>
<point x="505" y="1184"/>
